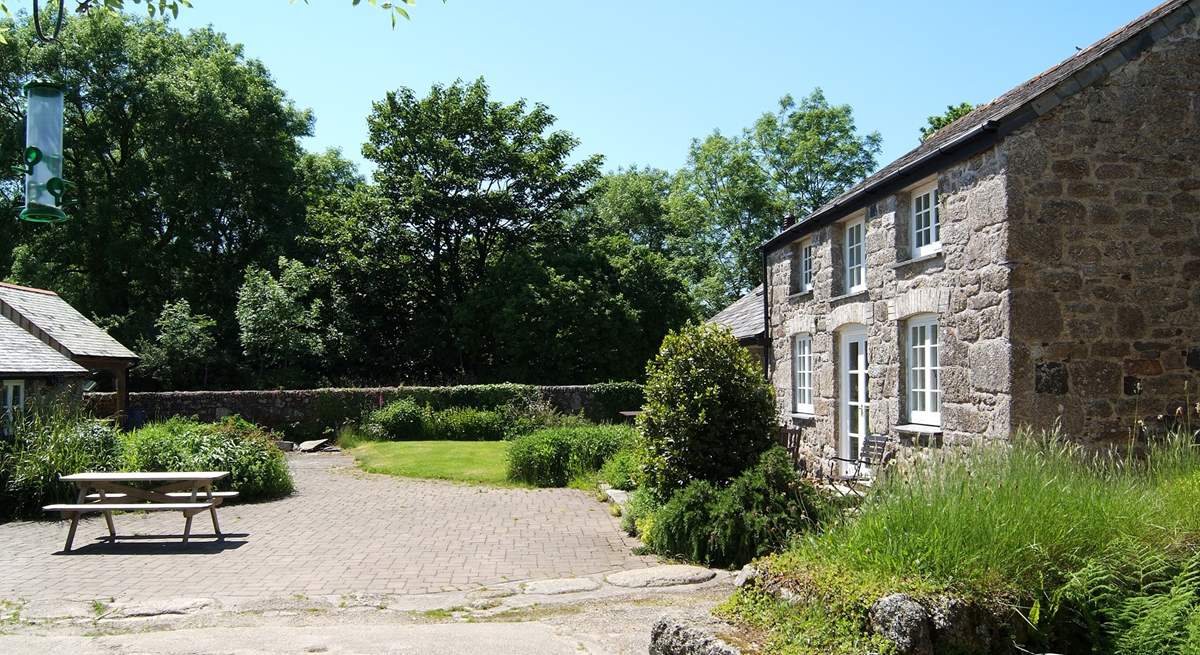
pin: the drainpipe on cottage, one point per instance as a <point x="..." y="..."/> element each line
<point x="766" y="341"/>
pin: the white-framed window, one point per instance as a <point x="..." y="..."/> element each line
<point x="802" y="374"/>
<point x="856" y="269"/>
<point x="924" y="368"/>
<point x="926" y="229"/>
<point x="804" y="271"/>
<point x="12" y="397"/>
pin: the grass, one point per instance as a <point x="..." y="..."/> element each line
<point x="475" y="462"/>
<point x="1007" y="527"/>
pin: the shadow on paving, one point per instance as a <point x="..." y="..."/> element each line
<point x="123" y="545"/>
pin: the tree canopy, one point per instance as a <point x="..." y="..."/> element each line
<point x="938" y="121"/>
<point x="482" y="247"/>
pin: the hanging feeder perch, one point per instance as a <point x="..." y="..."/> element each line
<point x="44" y="184"/>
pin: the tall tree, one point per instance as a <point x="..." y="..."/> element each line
<point x="792" y="160"/>
<point x="937" y="122"/>
<point x="184" y="153"/>
<point x="464" y="180"/>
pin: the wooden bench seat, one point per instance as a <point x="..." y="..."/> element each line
<point x="200" y="495"/>
<point x="131" y="507"/>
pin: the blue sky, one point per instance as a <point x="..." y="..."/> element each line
<point x="637" y="80"/>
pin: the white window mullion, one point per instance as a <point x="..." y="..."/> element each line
<point x="926" y="231"/>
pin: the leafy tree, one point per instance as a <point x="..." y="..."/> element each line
<point x="796" y="159"/>
<point x="279" y="327"/>
<point x="161" y="9"/>
<point x="953" y="113"/>
<point x="184" y="153"/>
<point x="462" y="180"/>
<point x="180" y="353"/>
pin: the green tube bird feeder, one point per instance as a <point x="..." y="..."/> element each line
<point x="43" y="164"/>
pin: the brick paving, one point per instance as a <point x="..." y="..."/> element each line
<point x="342" y="532"/>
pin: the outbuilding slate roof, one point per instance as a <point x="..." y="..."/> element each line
<point x="744" y="316"/>
<point x="22" y="354"/>
<point x="1006" y="113"/>
<point x="61" y="324"/>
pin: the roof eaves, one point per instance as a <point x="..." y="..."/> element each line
<point x="1007" y="120"/>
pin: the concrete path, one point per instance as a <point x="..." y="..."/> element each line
<point x="343" y="533"/>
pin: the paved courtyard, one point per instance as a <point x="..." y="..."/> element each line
<point x="342" y="532"/>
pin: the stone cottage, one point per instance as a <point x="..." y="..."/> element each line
<point x="46" y="344"/>
<point x="1036" y="261"/>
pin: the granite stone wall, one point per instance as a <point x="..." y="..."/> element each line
<point x="319" y="412"/>
<point x="965" y="285"/>
<point x="1105" y="242"/>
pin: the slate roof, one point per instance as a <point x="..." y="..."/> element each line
<point x="22" y="354"/>
<point x="744" y="316"/>
<point x="1006" y="113"/>
<point x="62" y="325"/>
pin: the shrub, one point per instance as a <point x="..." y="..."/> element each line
<point x="45" y="443"/>
<point x="523" y="417"/>
<point x="541" y="458"/>
<point x="758" y="513"/>
<point x="638" y="516"/>
<point x="399" y="419"/>
<point x="709" y="411"/>
<point x="551" y="457"/>
<point x="466" y="424"/>
<point x="622" y="470"/>
<point x="257" y="468"/>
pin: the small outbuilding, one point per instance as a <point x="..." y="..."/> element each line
<point x="46" y="345"/>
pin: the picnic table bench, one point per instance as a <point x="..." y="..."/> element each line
<point x="188" y="492"/>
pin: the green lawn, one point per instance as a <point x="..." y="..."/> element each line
<point x="478" y="462"/>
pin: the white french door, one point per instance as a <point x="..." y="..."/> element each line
<point x="854" y="399"/>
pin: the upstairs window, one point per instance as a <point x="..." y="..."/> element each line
<point x="927" y="233"/>
<point x="924" y="368"/>
<point x="856" y="270"/>
<point x="804" y="268"/>
<point x="802" y="374"/>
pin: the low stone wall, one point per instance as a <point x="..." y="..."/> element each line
<point x="317" y="412"/>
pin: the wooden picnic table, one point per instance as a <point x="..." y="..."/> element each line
<point x="189" y="492"/>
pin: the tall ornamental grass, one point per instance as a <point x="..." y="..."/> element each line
<point x="1009" y="516"/>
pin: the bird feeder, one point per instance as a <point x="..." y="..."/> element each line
<point x="44" y="184"/>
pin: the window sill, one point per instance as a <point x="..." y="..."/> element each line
<point x="915" y="428"/>
<point x="917" y="260"/>
<point x="849" y="296"/>
<point x="800" y="295"/>
<point x="803" y="416"/>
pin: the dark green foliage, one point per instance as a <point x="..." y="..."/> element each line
<point x="466" y="424"/>
<point x="45" y="443"/>
<point x="758" y="513"/>
<point x="258" y="470"/>
<point x="953" y="113"/>
<point x="610" y="398"/>
<point x="542" y="459"/>
<point x="683" y="527"/>
<point x="551" y="457"/>
<point x="478" y="396"/>
<point x="623" y="470"/>
<point x="638" y="515"/>
<point x="401" y="419"/>
<point x="709" y="411"/>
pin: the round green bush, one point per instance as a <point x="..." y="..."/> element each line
<point x="257" y="469"/>
<point x="709" y="410"/>
<point x="400" y="419"/>
<point x="540" y="458"/>
<point x="623" y="470"/>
